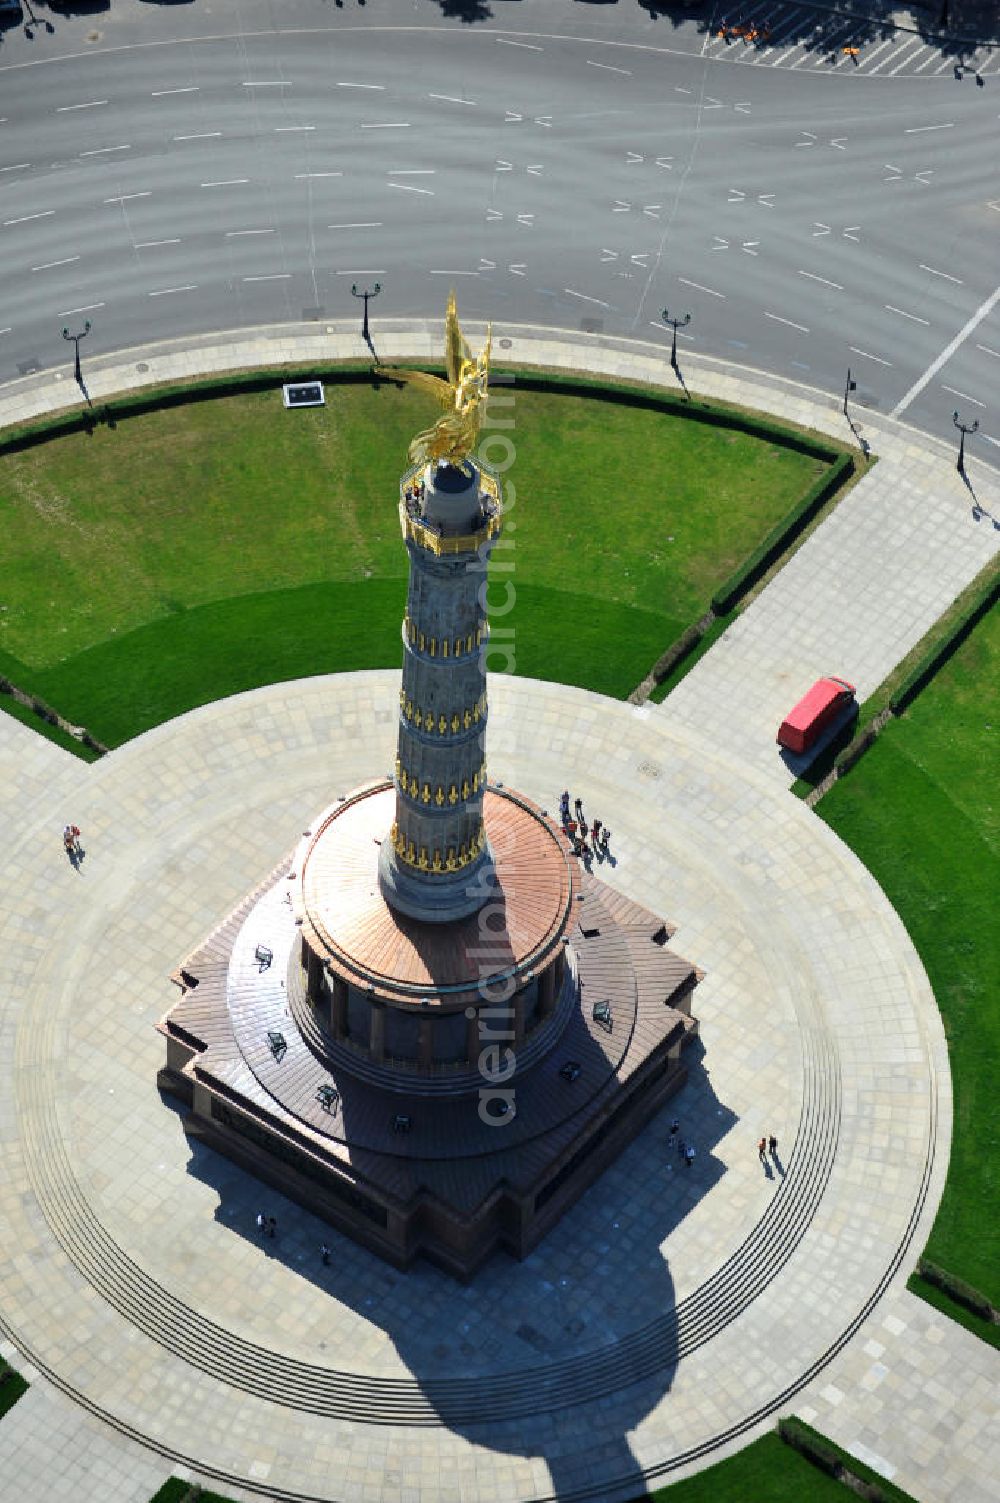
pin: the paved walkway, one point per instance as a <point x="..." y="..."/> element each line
<point x="818" y="1024"/>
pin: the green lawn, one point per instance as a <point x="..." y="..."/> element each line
<point x="922" y="812"/>
<point x="213" y="546"/>
<point x="766" y="1471"/>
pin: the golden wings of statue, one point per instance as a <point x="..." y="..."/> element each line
<point x="462" y="394"/>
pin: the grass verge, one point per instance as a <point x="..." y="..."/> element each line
<point x="920" y="810"/>
<point x="12" y="1387"/>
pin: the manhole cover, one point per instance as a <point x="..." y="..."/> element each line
<point x="505" y="344"/>
<point x="648" y="770"/>
<point x="142" y="366"/>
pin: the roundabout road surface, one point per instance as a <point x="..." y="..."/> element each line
<point x="167" y="170"/>
<point x="667" y="1316"/>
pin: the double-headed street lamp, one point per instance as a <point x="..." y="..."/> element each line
<point x="76" y="350"/>
<point x="675" y="324"/>
<point x="963" y="429"/>
<point x="366" y="293"/>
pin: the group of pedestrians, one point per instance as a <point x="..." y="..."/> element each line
<point x="71" y="844"/>
<point x="765" y="1146"/>
<point x="587" y="842"/>
<point x="267" y="1226"/>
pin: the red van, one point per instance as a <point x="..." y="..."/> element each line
<point x="803" y="725"/>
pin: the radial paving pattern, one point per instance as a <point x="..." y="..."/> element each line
<point x="709" y="1293"/>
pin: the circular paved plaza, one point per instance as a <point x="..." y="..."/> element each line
<point x="669" y="1312"/>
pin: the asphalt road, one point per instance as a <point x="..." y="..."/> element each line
<point x="193" y="167"/>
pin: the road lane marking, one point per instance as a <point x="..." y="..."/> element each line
<point x="43" y="214"/>
<point x="825" y="280"/>
<point x="48" y="265"/>
<point x="452" y="99"/>
<point x="913" y="317"/>
<point x="360" y="85"/>
<point x="202" y="135"/>
<point x="411" y="188"/>
<point x="987" y="351"/>
<point x="191" y="89"/>
<point x="528" y="46"/>
<point x="779" y="320"/>
<point x="102" y="151"/>
<point x="983" y="311"/>
<point x="867" y="355"/>
<point x="226" y="182"/>
<point x="947" y="276"/>
<point x="410" y="171"/>
<point x="68" y="312"/>
<point x="360" y="224"/>
<point x="147" y="244"/>
<point x="609" y="67"/>
<point x="230" y="233"/>
<point x="274" y="276"/>
<point x="915" y="130"/>
<point x="710" y="290"/>
<point x="63" y="109"/>
<point x="267" y="83"/>
<point x="363" y="271"/>
<point x="15" y="167"/>
<point x="121" y="198"/>
<point x="300" y="175"/>
<point x="439" y="271"/>
<point x="279" y="128"/>
<point x="963" y="394"/>
<point x="386" y="125"/>
<point x="584" y="298"/>
<point x="165" y="291"/>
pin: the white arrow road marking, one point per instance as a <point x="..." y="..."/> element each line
<point x="536" y="169"/>
<point x="634" y="156"/>
<point x="743" y="108"/>
<point x="620" y="206"/>
<point x="485" y="265"/>
<point x="748" y="246"/>
<point x="641" y="259"/>
<point x="526" y="219"/>
<point x="666" y="162"/>
<point x="720" y="244"/>
<point x="652" y="211"/>
<point x="922" y="177"/>
<point x="493" y="214"/>
<point x="890" y="168"/>
<point x="838" y="142"/>
<point x="503" y="166"/>
<point x="608" y="255"/>
<point x="820" y="229"/>
<point x="511" y="117"/>
<point x="735" y="196"/>
<point x="519" y="269"/>
<point x="810" y="142"/>
<point x="849" y="232"/>
<point x="712" y="104"/>
<point x="766" y="199"/>
<point x="545" y="120"/>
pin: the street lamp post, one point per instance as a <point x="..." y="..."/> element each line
<point x="76" y="352"/>
<point x="963" y="429"/>
<point x="848" y="388"/>
<point x="675" y="324"/>
<point x="366" y="293"/>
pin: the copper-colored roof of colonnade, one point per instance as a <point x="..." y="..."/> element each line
<point x="349" y="923"/>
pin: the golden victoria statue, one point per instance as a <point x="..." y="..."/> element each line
<point x="463" y="395"/>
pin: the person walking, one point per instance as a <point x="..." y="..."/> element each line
<point x="324" y="1253"/>
<point x="261" y="1223"/>
<point x="772" y="1144"/>
<point x="272" y="1225"/>
<point x="675" y="1128"/>
<point x="688" y="1156"/>
<point x="762" y="1149"/>
<point x="578" y="809"/>
<point x="596" y="833"/>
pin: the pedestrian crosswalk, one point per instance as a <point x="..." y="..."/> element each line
<point x="765" y="34"/>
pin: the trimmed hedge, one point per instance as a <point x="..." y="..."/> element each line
<point x="958" y="1290"/>
<point x="780" y="536"/>
<point x="925" y="670"/>
<point x="830" y="1458"/>
<point x="12" y="1387"/>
